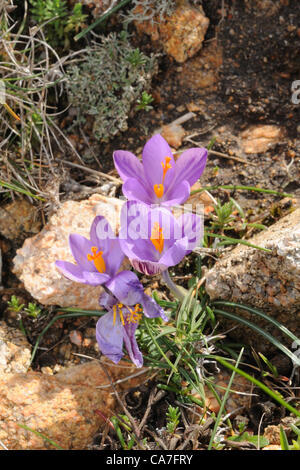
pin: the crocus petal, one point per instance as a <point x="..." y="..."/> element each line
<point x="131" y="344"/>
<point x="110" y="336"/>
<point x="106" y="300"/>
<point x="129" y="291"/>
<point x="128" y="165"/>
<point x="190" y="165"/>
<point x="80" y="247"/>
<point x="191" y="226"/>
<point x="71" y="271"/>
<point x="151" y="308"/>
<point x="115" y="257"/>
<point x="95" y="278"/>
<point x="126" y="287"/>
<point x="134" y="189"/>
<point x="141" y="249"/>
<point x="101" y="233"/>
<point x="149" y="268"/>
<point x="177" y="194"/>
<point x="154" y="153"/>
<point x="176" y="253"/>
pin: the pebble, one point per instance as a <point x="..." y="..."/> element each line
<point x="76" y="337"/>
<point x="181" y="34"/>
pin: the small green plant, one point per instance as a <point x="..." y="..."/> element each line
<point x="136" y="57"/>
<point x="259" y="441"/>
<point x="58" y="22"/>
<point x="284" y="444"/>
<point x="144" y="102"/>
<point x="53" y="12"/>
<point x="14" y="304"/>
<point x="76" y="20"/>
<point x="107" y="83"/>
<point x="122" y="421"/>
<point x="223" y="219"/>
<point x="32" y="310"/>
<point x="173" y="418"/>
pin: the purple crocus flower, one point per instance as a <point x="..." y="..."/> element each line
<point x="98" y="259"/>
<point x="118" y="326"/>
<point x="159" y="179"/>
<point x="153" y="239"/>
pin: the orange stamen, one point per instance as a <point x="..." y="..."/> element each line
<point x="159" y="188"/>
<point x="157" y="237"/>
<point x="119" y="307"/>
<point x="166" y="166"/>
<point x="97" y="258"/>
<point x="135" y="315"/>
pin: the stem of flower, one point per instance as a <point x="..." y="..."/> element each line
<point x="173" y="288"/>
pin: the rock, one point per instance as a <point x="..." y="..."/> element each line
<point x="267" y="281"/>
<point x="272" y="447"/>
<point x="34" y="262"/>
<point x="268" y="7"/>
<point x="240" y="396"/>
<point x="201" y="73"/>
<point x="61" y="407"/>
<point x="18" y="217"/>
<point x="181" y="34"/>
<point x="75" y="337"/>
<point x="272" y="433"/>
<point x="15" y="351"/>
<point x="202" y="202"/>
<point x="258" y="139"/>
<point x="174" y="134"/>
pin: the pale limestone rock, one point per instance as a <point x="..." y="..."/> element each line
<point x="61" y="407"/>
<point x="269" y="282"/>
<point x="34" y="263"/>
<point x="258" y="139"/>
<point x="15" y="351"/>
<point x="181" y="34"/>
<point x="173" y="134"/>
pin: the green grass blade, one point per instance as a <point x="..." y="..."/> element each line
<point x="281" y="327"/>
<point x="242" y="188"/>
<point x="236" y="241"/>
<point x="54" y="444"/>
<point x="101" y="19"/>
<point x="18" y="189"/>
<point x="158" y="346"/>
<point x="262" y="386"/>
<point x="284" y="443"/>
<point x="222" y="406"/>
<point x="262" y="332"/>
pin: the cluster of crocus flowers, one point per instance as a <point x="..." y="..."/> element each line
<point x="152" y="238"/>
